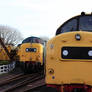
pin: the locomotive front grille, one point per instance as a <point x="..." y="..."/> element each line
<point x="31" y="49"/>
<point x="76" y="52"/>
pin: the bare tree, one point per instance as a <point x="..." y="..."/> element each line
<point x="10" y="35"/>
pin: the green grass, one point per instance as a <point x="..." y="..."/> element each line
<point x="4" y="62"/>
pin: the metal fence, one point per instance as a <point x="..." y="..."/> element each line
<point x="7" y="68"/>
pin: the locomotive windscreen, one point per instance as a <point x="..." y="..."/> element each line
<point x="32" y="40"/>
<point x="83" y="23"/>
<point x="76" y="52"/>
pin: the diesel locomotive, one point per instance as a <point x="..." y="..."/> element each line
<point x="69" y="56"/>
<point x="31" y="54"/>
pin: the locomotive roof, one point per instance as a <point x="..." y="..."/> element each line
<point x="32" y="39"/>
<point x="81" y="22"/>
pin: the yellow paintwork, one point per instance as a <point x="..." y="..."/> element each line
<point x="3" y="54"/>
<point x="31" y="56"/>
<point x="68" y="71"/>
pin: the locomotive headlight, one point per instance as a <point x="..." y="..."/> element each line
<point x="90" y="53"/>
<point x="65" y="52"/>
<point x="77" y="37"/>
<point x="27" y="50"/>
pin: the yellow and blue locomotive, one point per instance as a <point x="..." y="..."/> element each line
<point x="69" y="56"/>
<point x="31" y="54"/>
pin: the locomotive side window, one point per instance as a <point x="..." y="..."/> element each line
<point x="31" y="49"/>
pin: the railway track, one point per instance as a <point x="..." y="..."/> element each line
<point x="37" y="84"/>
<point x="10" y="78"/>
<point x="19" y="82"/>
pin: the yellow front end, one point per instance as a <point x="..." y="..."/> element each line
<point x="67" y="71"/>
<point x="36" y="56"/>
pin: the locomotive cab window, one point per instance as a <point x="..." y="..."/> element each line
<point x="70" y="26"/>
<point x="31" y="49"/>
<point x="33" y="40"/>
<point x="83" y="23"/>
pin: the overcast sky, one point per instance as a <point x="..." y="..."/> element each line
<point x="40" y="17"/>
